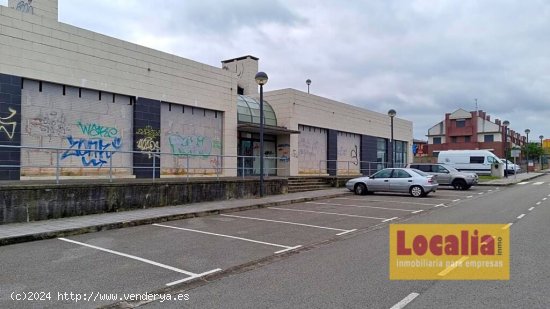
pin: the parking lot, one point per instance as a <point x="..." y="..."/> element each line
<point x="147" y="258"/>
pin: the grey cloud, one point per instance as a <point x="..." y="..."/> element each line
<point x="421" y="57"/>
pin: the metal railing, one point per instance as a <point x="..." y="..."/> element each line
<point x="354" y="167"/>
<point x="94" y="163"/>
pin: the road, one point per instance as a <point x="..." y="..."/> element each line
<point x="323" y="254"/>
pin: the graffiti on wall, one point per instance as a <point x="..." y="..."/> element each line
<point x="8" y="126"/>
<point x="196" y="145"/>
<point x="96" y="130"/>
<point x="149" y="142"/>
<point x="93" y="149"/>
<point x="353" y="155"/>
<point x="93" y="152"/>
<point x="49" y="124"/>
<point x="25" y="6"/>
<point x="283" y="152"/>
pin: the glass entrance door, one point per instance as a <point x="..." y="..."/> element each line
<point x="249" y="156"/>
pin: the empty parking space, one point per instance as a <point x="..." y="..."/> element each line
<point x="60" y="266"/>
<point x="309" y="218"/>
<point x="152" y="256"/>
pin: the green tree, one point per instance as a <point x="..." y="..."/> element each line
<point x="532" y="150"/>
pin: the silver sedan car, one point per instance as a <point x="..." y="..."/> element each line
<point x="413" y="181"/>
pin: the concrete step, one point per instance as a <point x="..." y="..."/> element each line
<point x="305" y="190"/>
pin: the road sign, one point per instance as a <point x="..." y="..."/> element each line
<point x="515" y="153"/>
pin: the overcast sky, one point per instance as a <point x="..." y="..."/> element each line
<point x="421" y="57"/>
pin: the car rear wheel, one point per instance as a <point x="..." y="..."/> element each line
<point x="416" y="191"/>
<point x="460" y="184"/>
<point x="360" y="189"/>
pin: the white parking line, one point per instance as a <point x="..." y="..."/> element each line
<point x="469" y="196"/>
<point x="538" y="183"/>
<point x="544" y="198"/>
<point x="388" y="201"/>
<point x="440" y="205"/>
<point x="456" y="200"/>
<point x="188" y="273"/>
<point x="193" y="277"/>
<point x="405" y="301"/>
<point x="327" y="213"/>
<point x="361" y="206"/>
<point x="480" y="193"/>
<point x="415" y="212"/>
<point x="507" y="226"/>
<point x="521" y="216"/>
<point x="523" y="182"/>
<point x="390" y="219"/>
<point x="530" y="209"/>
<point x="294" y="223"/>
<point x="538" y="203"/>
<point x="229" y="236"/>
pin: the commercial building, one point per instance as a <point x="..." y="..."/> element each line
<point x="75" y="103"/>
<point x="462" y="130"/>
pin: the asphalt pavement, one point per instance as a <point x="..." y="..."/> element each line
<point x="318" y="251"/>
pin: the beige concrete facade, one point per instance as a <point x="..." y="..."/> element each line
<point x="41" y="48"/>
<point x="35" y="46"/>
<point x="294" y="108"/>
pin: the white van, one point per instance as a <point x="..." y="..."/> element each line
<point x="477" y="161"/>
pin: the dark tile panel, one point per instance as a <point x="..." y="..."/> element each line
<point x="146" y="114"/>
<point x="10" y="134"/>
<point x="332" y="151"/>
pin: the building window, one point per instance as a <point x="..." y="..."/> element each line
<point x="240" y="90"/>
<point x="489" y="138"/>
<point x="466" y="139"/>
<point x="381" y="150"/>
<point x="453" y="139"/>
<point x="437" y="140"/>
<point x="400" y="153"/>
<point x="460" y="123"/>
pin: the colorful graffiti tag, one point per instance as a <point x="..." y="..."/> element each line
<point x="93" y="152"/>
<point x="191" y="145"/>
<point x="96" y="130"/>
<point x="93" y="149"/>
<point x="149" y="142"/>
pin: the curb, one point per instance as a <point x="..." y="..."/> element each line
<point x="510" y="183"/>
<point x="137" y="222"/>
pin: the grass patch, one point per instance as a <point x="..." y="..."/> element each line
<point x="487" y="177"/>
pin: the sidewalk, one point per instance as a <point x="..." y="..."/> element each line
<point x="24" y="232"/>
<point x="513" y="179"/>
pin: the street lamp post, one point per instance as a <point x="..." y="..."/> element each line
<point x="506" y="123"/>
<point x="308" y="82"/>
<point x="261" y="79"/>
<point x="527" y="131"/>
<point x="541" y="137"/>
<point x="392" y="114"/>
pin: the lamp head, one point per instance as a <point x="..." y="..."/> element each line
<point x="392" y="113"/>
<point x="261" y="78"/>
<point x="308" y="81"/>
